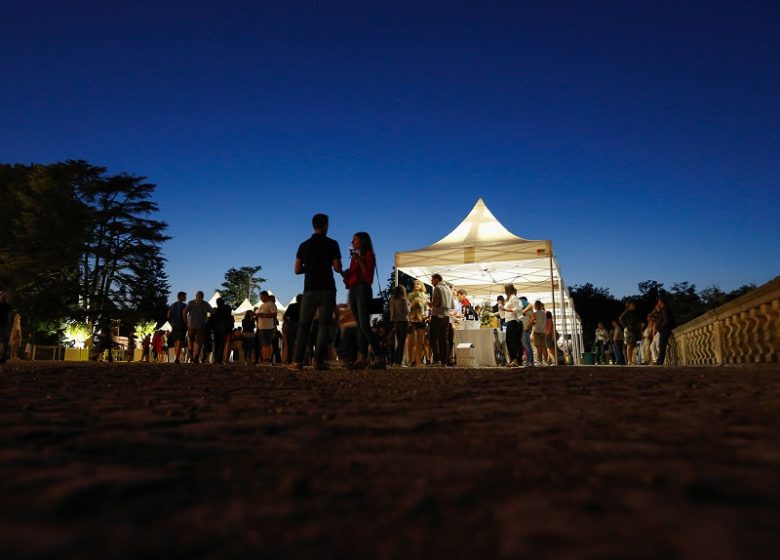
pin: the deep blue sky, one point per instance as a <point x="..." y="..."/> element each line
<point x="642" y="138"/>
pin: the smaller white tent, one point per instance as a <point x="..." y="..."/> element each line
<point x="280" y="307"/>
<point x="241" y="310"/>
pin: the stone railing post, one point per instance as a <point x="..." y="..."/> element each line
<point x="717" y="341"/>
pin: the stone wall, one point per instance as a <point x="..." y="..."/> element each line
<point x="744" y="331"/>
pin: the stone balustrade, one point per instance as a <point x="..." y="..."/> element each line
<point x="743" y="331"/>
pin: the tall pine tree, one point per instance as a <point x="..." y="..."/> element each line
<point x="240" y="284"/>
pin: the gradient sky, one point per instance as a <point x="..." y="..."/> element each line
<point x="642" y="138"/>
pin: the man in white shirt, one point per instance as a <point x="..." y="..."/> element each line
<point x="441" y="306"/>
<point x="266" y="315"/>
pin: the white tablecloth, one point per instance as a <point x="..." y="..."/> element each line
<point x="483" y="341"/>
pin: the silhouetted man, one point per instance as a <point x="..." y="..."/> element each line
<point x="441" y="306"/>
<point x="178" y="320"/>
<point x="266" y="317"/>
<point x="317" y="258"/>
<point x="197" y="312"/>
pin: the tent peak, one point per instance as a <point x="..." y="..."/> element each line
<point x="479" y="226"/>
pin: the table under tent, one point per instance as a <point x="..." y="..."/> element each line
<point x="481" y="255"/>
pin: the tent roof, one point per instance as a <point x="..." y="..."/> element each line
<point x="480" y="227"/>
<point x="480" y="255"/>
<point x="243" y="308"/>
<point x="246" y="306"/>
<point x="279" y="305"/>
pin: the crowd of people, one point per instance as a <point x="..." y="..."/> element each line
<point x="202" y="333"/>
<point x="629" y="340"/>
<point x="316" y="332"/>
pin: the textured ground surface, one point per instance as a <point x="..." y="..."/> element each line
<point x="159" y="461"/>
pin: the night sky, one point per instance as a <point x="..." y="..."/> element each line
<point x="642" y="138"/>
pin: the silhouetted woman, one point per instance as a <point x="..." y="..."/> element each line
<point x="399" y="315"/>
<point x="664" y="322"/>
<point x="358" y="280"/>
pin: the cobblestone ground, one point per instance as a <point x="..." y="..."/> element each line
<point x="197" y="461"/>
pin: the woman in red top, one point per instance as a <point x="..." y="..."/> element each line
<point x="358" y="280"/>
<point x="157" y="346"/>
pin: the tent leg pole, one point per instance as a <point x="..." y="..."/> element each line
<point x="552" y="293"/>
<point x="566" y="325"/>
<point x="575" y="344"/>
<point x="552" y="284"/>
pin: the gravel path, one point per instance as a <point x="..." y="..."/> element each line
<point x="197" y="461"/>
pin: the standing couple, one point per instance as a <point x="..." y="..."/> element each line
<point x="317" y="258"/>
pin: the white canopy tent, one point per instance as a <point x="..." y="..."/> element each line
<point x="213" y="300"/>
<point x="280" y="307"/>
<point x="481" y="255"/>
<point x="240" y="311"/>
<point x="243" y="308"/>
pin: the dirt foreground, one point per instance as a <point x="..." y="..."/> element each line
<point x="198" y="461"/>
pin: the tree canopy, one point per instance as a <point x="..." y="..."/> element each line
<point x="241" y="283"/>
<point x="76" y="242"/>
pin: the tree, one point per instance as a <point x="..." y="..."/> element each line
<point x="152" y="291"/>
<point x="75" y="240"/>
<point x="594" y="305"/>
<point x="123" y="237"/>
<point x="685" y="302"/>
<point x="403" y="280"/>
<point x="713" y="297"/>
<point x="241" y="283"/>
<point x="741" y="291"/>
<point x="649" y="291"/>
<point x="43" y="228"/>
